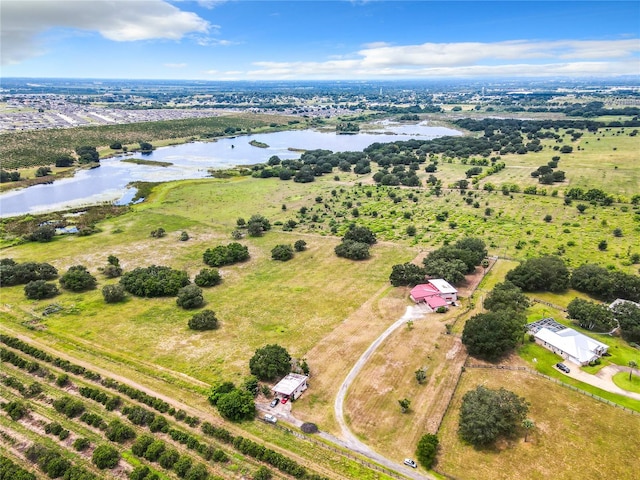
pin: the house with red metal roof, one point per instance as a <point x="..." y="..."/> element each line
<point x="435" y="293"/>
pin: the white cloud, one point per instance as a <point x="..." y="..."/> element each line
<point x="521" y="58"/>
<point x="23" y="21"/>
<point x="210" y="4"/>
<point x="214" y="42"/>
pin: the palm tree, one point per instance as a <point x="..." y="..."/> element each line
<point x="632" y="365"/>
<point x="528" y="424"/>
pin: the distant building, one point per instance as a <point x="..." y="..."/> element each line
<point x="566" y="342"/>
<point x="291" y="386"/>
<point x="436" y="293"/>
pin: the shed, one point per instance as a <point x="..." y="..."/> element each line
<point x="291" y="386"/>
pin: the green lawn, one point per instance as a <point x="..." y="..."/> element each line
<point x="622" y="380"/>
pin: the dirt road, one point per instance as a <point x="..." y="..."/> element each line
<point x="349" y="439"/>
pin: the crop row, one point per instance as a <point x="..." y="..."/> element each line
<point x="157" y="423"/>
<point x="133" y="393"/>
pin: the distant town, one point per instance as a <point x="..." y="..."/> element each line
<point x="35" y="105"/>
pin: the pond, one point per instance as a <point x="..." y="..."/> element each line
<point x="109" y="182"/>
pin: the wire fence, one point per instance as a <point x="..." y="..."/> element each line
<point x="343" y="452"/>
<point x="555" y="380"/>
<point x="549" y="304"/>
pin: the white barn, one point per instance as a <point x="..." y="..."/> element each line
<point x="291" y="386"/>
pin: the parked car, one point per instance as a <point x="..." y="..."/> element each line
<point x="563" y="367"/>
<point x="270" y="418"/>
<point x="284" y="400"/>
<point x="410" y="463"/>
<point x="274" y="402"/>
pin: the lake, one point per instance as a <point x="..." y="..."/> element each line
<point x="109" y="182"/>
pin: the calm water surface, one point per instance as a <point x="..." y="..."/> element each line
<point x="108" y="183"/>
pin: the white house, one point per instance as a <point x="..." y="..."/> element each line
<point x="567" y="342"/>
<point x="291" y="386"/>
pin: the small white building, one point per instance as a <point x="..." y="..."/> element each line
<point x="291" y="386"/>
<point x="567" y="342"/>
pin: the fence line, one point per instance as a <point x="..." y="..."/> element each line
<point x="343" y="452"/>
<point x="566" y="385"/>
<point x="549" y="304"/>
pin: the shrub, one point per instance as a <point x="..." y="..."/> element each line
<point x="12" y="273"/>
<point x="43" y="234"/>
<point x="154" y="450"/>
<point x="190" y="297"/>
<point x="300" y="246"/>
<point x="78" y="279"/>
<point x="427" y="449"/>
<point x="113" y="293"/>
<point x="207" y="277"/>
<point x="119" y="432"/>
<point x="81" y="444"/>
<point x="257" y="225"/>
<point x="182" y="466"/>
<point x="282" y="253"/>
<point x="141" y="444"/>
<point x="226" y="255"/>
<point x="168" y="458"/>
<point x="352" y="250"/>
<point x="68" y="406"/>
<point x="205" y="320"/>
<point x="360" y="234"/>
<point x="105" y="456"/>
<point x="16" y="410"/>
<point x="39" y="289"/>
<point x="62" y="380"/>
<point x="263" y="473"/>
<point x="154" y="281"/>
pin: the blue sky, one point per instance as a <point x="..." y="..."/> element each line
<point x="315" y="40"/>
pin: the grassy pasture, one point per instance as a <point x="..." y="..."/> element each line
<point x="572" y="432"/>
<point x="515" y="226"/>
<point x="260" y="301"/>
<point x="607" y="159"/>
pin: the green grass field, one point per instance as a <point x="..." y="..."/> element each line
<point x="562" y="441"/>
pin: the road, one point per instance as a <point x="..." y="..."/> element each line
<point x="602" y="379"/>
<point x="350" y="440"/>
